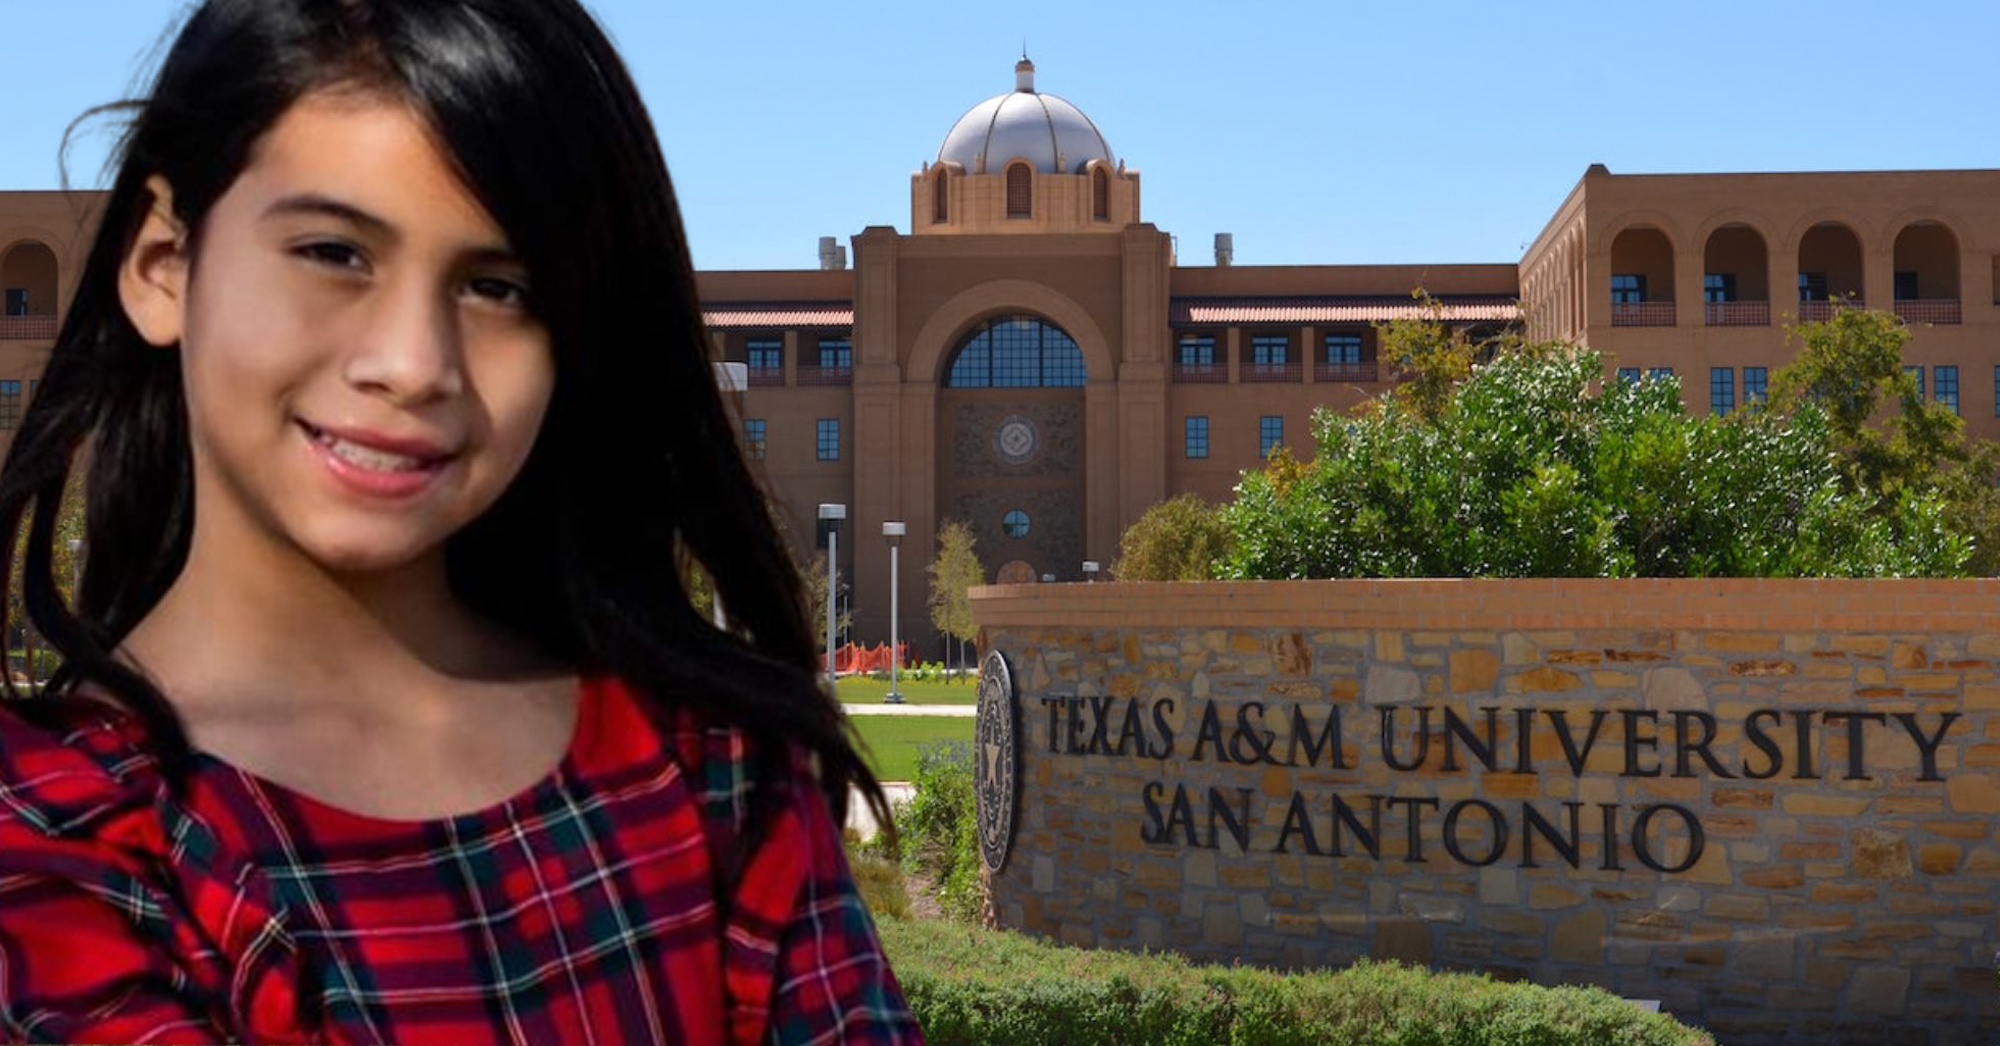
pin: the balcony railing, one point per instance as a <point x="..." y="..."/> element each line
<point x="1928" y="310"/>
<point x="1365" y="371"/>
<point x="809" y="375"/>
<point x="1642" y="314"/>
<point x="760" y="376"/>
<point x="1290" y="370"/>
<point x="1189" y="372"/>
<point x="16" y="328"/>
<point x="1821" y="311"/>
<point x="1737" y="313"/>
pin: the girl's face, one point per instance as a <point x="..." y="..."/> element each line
<point x="364" y="376"/>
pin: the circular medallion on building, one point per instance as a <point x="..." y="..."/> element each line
<point x="1019" y="572"/>
<point x="996" y="781"/>
<point x="1016" y="440"/>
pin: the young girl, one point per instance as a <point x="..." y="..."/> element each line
<point x="384" y="715"/>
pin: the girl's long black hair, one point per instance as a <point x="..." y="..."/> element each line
<point x="637" y="464"/>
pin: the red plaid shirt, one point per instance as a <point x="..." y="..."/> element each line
<point x="600" y="906"/>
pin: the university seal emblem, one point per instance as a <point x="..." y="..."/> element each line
<point x="995" y="776"/>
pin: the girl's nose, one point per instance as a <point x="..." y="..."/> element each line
<point x="411" y="352"/>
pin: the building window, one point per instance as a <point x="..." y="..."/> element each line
<point x="1343" y="348"/>
<point x="1197" y="349"/>
<point x="17" y="301"/>
<point x="837" y="353"/>
<point x="1015" y="523"/>
<point x="940" y="195"/>
<point x="1655" y="373"/>
<point x="1017" y="352"/>
<point x="1721" y="390"/>
<point x="1756" y="384"/>
<point x="829" y="439"/>
<point x="1906" y="286"/>
<point x="1917" y="373"/>
<point x="1718" y="286"/>
<point x="1812" y="286"/>
<point x="10" y="404"/>
<point x="1944" y="386"/>
<point x="1020" y="191"/>
<point x="1268" y="349"/>
<point x="1100" y="195"/>
<point x="1628" y="286"/>
<point x="1197" y="436"/>
<point x="1270" y="434"/>
<point x="1629" y="375"/>
<point x="753" y="438"/>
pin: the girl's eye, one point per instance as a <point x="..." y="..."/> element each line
<point x="499" y="291"/>
<point x="331" y="253"/>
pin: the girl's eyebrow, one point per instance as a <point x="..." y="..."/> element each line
<point x="327" y="206"/>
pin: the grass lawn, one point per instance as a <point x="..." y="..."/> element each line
<point x="891" y="740"/>
<point x="863" y="690"/>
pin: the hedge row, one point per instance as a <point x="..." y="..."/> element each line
<point x="994" y="988"/>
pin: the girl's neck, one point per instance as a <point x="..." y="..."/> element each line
<point x="249" y="622"/>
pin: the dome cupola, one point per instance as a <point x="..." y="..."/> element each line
<point x="1041" y="128"/>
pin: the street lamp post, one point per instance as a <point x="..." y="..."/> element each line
<point x="894" y="533"/>
<point x="832" y="514"/>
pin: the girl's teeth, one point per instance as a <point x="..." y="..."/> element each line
<point x="370" y="458"/>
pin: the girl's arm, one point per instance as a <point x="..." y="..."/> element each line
<point x="75" y="964"/>
<point x="801" y="936"/>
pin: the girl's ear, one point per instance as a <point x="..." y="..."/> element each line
<point x="152" y="282"/>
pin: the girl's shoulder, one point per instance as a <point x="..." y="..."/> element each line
<point x="68" y="767"/>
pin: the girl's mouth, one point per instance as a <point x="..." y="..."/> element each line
<point x="375" y="464"/>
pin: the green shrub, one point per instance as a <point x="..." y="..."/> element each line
<point x="993" y="988"/>
<point x="939" y="828"/>
<point x="1530" y="470"/>
<point x="1176" y="540"/>
<point x="877" y="876"/>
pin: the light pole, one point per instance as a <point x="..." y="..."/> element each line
<point x="731" y="378"/>
<point x="831" y="514"/>
<point x="894" y="533"/>
<point x="1090" y="570"/>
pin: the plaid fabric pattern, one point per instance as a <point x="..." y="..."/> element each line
<point x="610" y="903"/>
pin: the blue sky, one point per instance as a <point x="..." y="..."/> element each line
<point x="1317" y="133"/>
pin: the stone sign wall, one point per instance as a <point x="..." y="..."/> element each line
<point x="1772" y="805"/>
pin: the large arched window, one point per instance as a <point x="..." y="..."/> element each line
<point x="1020" y="191"/>
<point x="1016" y="352"/>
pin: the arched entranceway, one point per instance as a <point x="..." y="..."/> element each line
<point x="1829" y="269"/>
<point x="1642" y="278"/>
<point x="27" y="291"/>
<point x="1010" y="443"/>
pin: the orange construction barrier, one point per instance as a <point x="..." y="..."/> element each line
<point x="850" y="658"/>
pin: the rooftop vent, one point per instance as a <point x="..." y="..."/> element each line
<point x="832" y="254"/>
<point x="1225" y="249"/>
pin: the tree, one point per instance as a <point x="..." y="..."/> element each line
<point x="1890" y="440"/>
<point x="953" y="570"/>
<point x="1179" y="539"/>
<point x="816" y="582"/>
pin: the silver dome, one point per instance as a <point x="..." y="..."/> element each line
<point x="1045" y="129"/>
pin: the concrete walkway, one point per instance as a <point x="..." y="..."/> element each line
<point x="881" y="708"/>
<point x="862" y="819"/>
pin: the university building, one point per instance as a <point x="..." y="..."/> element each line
<point x="1033" y="359"/>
